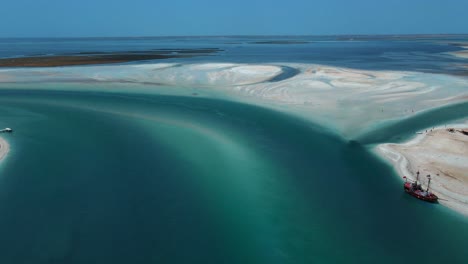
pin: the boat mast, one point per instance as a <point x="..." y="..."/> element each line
<point x="429" y="182"/>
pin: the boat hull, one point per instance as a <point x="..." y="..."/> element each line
<point x="428" y="197"/>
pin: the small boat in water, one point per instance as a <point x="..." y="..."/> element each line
<point x="6" y="130"/>
<point x="415" y="189"/>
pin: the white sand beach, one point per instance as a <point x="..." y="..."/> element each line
<point x="442" y="154"/>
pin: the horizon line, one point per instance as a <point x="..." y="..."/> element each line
<point x="246" y="35"/>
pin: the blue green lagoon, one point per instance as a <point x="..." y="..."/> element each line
<point x="248" y="155"/>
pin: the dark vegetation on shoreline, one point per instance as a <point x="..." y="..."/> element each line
<point x="88" y="58"/>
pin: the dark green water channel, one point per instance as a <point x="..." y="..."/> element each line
<point x="107" y="178"/>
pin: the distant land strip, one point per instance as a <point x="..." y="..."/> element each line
<point x="88" y="58"/>
<point x="280" y="42"/>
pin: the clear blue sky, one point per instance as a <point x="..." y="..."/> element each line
<point x="76" y="18"/>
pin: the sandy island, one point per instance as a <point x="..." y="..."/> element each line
<point x="4" y="148"/>
<point x="441" y="153"/>
<point x="462" y="53"/>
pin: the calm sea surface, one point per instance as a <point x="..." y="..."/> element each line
<point x="415" y="53"/>
<point x="100" y="177"/>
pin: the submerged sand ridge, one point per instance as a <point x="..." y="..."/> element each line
<point x="4" y="148"/>
<point x="441" y="153"/>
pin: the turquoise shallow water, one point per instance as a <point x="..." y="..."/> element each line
<point x="113" y="178"/>
<point x="399" y="130"/>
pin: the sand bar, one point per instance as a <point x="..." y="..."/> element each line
<point x="462" y="53"/>
<point x="440" y="153"/>
<point x="347" y="100"/>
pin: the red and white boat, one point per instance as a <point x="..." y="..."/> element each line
<point x="415" y="189"/>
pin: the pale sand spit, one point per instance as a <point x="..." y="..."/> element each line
<point x="440" y="153"/>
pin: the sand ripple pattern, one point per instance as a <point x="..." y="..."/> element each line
<point x="348" y="100"/>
